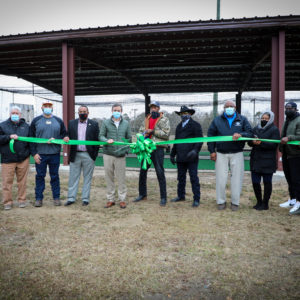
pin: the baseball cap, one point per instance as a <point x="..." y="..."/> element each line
<point x="47" y="102"/>
<point x="156" y="103"/>
<point x="292" y="104"/>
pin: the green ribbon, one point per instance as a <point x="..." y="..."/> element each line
<point x="143" y="147"/>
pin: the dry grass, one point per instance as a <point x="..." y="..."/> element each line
<point x="148" y="252"/>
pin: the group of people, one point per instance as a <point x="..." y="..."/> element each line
<point x="227" y="155"/>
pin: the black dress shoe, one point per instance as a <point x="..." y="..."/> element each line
<point x="195" y="203"/>
<point x="177" y="199"/>
<point x="163" y="202"/>
<point x="85" y="203"/>
<point x="140" y="198"/>
<point x="69" y="203"/>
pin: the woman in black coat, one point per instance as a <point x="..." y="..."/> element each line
<point x="263" y="162"/>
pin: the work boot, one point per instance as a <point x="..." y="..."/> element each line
<point x="140" y="198"/>
<point x="163" y="202"/>
<point x="177" y="199"/>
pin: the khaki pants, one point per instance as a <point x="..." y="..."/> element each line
<point x="234" y="161"/>
<point x="8" y="172"/>
<point x="115" y="168"/>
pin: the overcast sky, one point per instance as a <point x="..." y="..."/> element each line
<point x="25" y="16"/>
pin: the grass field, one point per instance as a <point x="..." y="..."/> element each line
<point x="149" y="252"/>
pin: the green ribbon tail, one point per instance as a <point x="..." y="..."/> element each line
<point x="11" y="145"/>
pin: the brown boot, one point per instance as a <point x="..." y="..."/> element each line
<point x="109" y="204"/>
<point x="122" y="204"/>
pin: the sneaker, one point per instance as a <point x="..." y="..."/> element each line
<point x="289" y="203"/>
<point x="69" y="203"/>
<point x="296" y="209"/>
<point x="56" y="202"/>
<point x="7" y="206"/>
<point x="38" y="203"/>
<point x="22" y="205"/>
<point x="85" y="203"/>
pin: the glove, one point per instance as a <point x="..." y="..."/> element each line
<point x="191" y="155"/>
<point x="173" y="160"/>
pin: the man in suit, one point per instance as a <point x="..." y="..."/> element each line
<point x="82" y="157"/>
<point x="187" y="155"/>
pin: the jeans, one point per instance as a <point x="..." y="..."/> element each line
<point x="157" y="158"/>
<point x="192" y="167"/>
<point x="53" y="161"/>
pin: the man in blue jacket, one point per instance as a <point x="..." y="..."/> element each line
<point x="50" y="127"/>
<point x="187" y="155"/>
<point x="229" y="154"/>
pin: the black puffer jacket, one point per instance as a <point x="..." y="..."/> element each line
<point x="21" y="148"/>
<point x="263" y="157"/>
<point x="191" y="130"/>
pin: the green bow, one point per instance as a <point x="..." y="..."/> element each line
<point x="143" y="149"/>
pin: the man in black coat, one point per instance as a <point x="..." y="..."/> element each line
<point x="14" y="163"/>
<point x="82" y="157"/>
<point x="187" y="155"/>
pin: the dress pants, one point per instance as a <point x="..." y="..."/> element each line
<point x="192" y="167"/>
<point x="84" y="163"/>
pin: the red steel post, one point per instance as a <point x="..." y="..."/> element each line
<point x="68" y="90"/>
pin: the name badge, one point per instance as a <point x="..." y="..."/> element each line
<point x="48" y="122"/>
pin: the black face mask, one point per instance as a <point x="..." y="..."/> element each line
<point x="83" y="117"/>
<point x="290" y="113"/>
<point x="155" y="114"/>
<point x="263" y="123"/>
<point x="185" y="117"/>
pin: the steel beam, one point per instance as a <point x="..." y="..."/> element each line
<point x="278" y="81"/>
<point x="68" y="89"/>
<point x="147" y="102"/>
<point x="238" y="102"/>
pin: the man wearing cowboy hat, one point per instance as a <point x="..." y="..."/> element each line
<point x="187" y="155"/>
<point x="157" y="128"/>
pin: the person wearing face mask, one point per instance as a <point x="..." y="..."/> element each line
<point x="291" y="156"/>
<point x="263" y="161"/>
<point x="50" y="127"/>
<point x="187" y="155"/>
<point x="157" y="128"/>
<point x="229" y="154"/>
<point x="14" y="163"/>
<point x="82" y="157"/>
<point x="114" y="157"/>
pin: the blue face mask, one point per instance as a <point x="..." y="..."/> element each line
<point x="116" y="114"/>
<point x="229" y="111"/>
<point x="15" y="118"/>
<point x="47" y="111"/>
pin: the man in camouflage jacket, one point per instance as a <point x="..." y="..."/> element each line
<point x="157" y="128"/>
